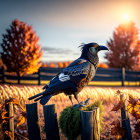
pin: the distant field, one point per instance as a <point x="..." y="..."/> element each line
<point x="105" y="94"/>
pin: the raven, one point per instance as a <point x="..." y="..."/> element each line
<point x="73" y="78"/>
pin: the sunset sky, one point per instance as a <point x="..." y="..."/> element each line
<point x="62" y="25"/>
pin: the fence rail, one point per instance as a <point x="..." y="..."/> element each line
<point x="106" y="75"/>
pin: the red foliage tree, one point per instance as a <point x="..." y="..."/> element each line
<point x="20" y="50"/>
<point x="124" y="47"/>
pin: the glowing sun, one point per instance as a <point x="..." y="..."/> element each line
<point x="125" y="17"/>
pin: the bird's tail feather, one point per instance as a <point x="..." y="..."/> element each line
<point x="37" y="95"/>
<point x="45" y="99"/>
<point x="40" y="97"/>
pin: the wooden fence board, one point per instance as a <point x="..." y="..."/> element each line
<point x="44" y="77"/>
<point x="90" y="124"/>
<point x="125" y="119"/>
<point x="132" y="72"/>
<point x="51" y="126"/>
<point x="10" y="109"/>
<point x="107" y="75"/>
<point x="33" y="121"/>
<point x="108" y="71"/>
<point x="28" y="78"/>
<point x="131" y="78"/>
<point x="87" y="125"/>
<point x="12" y="77"/>
<point x="110" y="78"/>
<point x="51" y="70"/>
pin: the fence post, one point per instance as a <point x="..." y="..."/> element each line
<point x="18" y="78"/>
<point x="39" y="76"/>
<point x="3" y="75"/>
<point x="33" y="121"/>
<point x="9" y="108"/>
<point x="125" y="119"/>
<point x="51" y="126"/>
<point x="123" y="76"/>
<point x="90" y="124"/>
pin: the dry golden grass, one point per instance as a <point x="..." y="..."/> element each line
<point x="106" y="94"/>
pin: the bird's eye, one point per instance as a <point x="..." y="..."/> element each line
<point x="92" y="50"/>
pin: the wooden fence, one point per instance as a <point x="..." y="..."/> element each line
<point x="46" y="74"/>
<point x="90" y="122"/>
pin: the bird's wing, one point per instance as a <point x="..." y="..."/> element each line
<point x="80" y="66"/>
<point x="75" y="71"/>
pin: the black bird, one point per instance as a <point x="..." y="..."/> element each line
<point x="74" y="77"/>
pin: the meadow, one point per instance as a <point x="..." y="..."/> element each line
<point x="106" y="94"/>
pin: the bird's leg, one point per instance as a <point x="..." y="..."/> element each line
<point x="76" y="97"/>
<point x="70" y="97"/>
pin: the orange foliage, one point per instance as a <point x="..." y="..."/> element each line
<point x="103" y="65"/>
<point x="52" y="65"/>
<point x="44" y="65"/>
<point x="60" y="65"/>
<point x="99" y="65"/>
<point x="65" y="64"/>
<point x="69" y="62"/>
<point x="124" y="47"/>
<point x="21" y="53"/>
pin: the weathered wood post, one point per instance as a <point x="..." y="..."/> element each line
<point x="33" y="121"/>
<point x="9" y="108"/>
<point x="96" y="123"/>
<point x="125" y="119"/>
<point x="39" y="76"/>
<point x="123" y="76"/>
<point x="51" y="126"/>
<point x="90" y="124"/>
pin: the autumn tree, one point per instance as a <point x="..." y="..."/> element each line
<point x="52" y="65"/>
<point x="21" y="52"/>
<point x="65" y="64"/>
<point x="124" y="47"/>
<point x="60" y="65"/>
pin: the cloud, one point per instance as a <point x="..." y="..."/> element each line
<point x="59" y="54"/>
<point x="54" y="50"/>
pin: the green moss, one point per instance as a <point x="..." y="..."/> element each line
<point x="70" y="119"/>
<point x="70" y="122"/>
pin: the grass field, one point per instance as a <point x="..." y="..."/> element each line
<point x="105" y="94"/>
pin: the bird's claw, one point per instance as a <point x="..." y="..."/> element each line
<point x="81" y="104"/>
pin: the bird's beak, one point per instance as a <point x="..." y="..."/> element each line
<point x="103" y="48"/>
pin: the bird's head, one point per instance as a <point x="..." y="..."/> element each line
<point x="90" y="51"/>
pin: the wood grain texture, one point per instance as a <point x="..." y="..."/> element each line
<point x="96" y="124"/>
<point x="51" y="126"/>
<point x="33" y="121"/>
<point x="90" y="125"/>
<point x="125" y="119"/>
<point x="9" y="108"/>
<point x="86" y="125"/>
